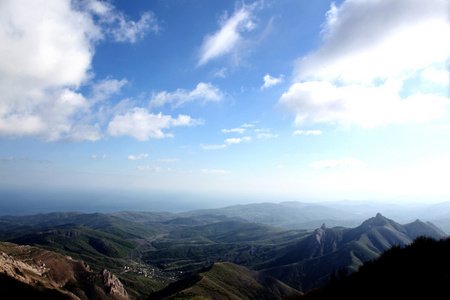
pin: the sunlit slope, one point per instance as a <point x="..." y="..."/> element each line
<point x="33" y="273"/>
<point x="226" y="281"/>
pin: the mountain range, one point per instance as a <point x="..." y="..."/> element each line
<point x="162" y="255"/>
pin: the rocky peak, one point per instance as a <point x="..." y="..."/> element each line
<point x="113" y="286"/>
<point x="378" y="220"/>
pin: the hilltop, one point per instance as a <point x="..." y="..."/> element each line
<point x="226" y="281"/>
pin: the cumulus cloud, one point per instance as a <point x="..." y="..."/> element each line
<point x="212" y="171"/>
<point x="347" y="162"/>
<point x="137" y="157"/>
<point x="228" y="37"/>
<point x="323" y="102"/>
<point x="307" y="132"/>
<point x="270" y="81"/>
<point x="203" y="92"/>
<point x="370" y="49"/>
<point x="40" y="89"/>
<point x="368" y="40"/>
<point x="143" y="125"/>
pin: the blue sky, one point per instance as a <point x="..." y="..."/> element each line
<point x="306" y="100"/>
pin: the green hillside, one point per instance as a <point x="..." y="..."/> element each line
<point x="150" y="250"/>
<point x="308" y="263"/>
<point x="106" y="223"/>
<point x="226" y="281"/>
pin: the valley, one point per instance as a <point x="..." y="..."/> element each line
<point x="160" y="254"/>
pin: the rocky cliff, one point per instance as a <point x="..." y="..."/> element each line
<point x="31" y="272"/>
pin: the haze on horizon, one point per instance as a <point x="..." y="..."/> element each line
<point x="213" y="100"/>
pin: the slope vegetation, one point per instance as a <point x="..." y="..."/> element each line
<point x="420" y="270"/>
<point x="308" y="263"/>
<point x="226" y="281"/>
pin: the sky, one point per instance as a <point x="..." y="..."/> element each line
<point x="224" y="101"/>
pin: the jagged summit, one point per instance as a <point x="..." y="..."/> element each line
<point x="378" y="220"/>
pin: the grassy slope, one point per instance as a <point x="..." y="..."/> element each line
<point x="227" y="281"/>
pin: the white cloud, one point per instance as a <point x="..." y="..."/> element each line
<point x="115" y="23"/>
<point x="228" y="37"/>
<point x="210" y="171"/>
<point x="307" y="132"/>
<point x="95" y="156"/>
<point x="143" y="125"/>
<point x="238" y="140"/>
<point x="270" y="81"/>
<point x="41" y="88"/>
<point x="149" y="168"/>
<point x="213" y="147"/>
<point x="323" y="102"/>
<point x="242" y="129"/>
<point x="267" y="136"/>
<point x="137" y="157"/>
<point x="440" y="76"/>
<point x="103" y="89"/>
<point x="340" y="163"/>
<point x="370" y="49"/>
<point x="204" y="92"/>
<point x="222" y="73"/>
<point x="369" y="40"/>
<point x="234" y="130"/>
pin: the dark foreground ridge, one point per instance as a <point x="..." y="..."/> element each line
<point x="420" y="270"/>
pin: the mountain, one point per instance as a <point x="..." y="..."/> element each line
<point x="420" y="270"/>
<point x="149" y="250"/>
<point x="308" y="263"/>
<point x="226" y="281"/>
<point x="32" y="273"/>
<point x="74" y="239"/>
<point x="106" y="223"/>
<point x="287" y="215"/>
<point x="301" y="215"/>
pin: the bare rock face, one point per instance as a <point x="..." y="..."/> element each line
<point x="56" y="274"/>
<point x="18" y="269"/>
<point x="113" y="286"/>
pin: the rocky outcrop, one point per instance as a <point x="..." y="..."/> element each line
<point x="34" y="273"/>
<point x="113" y="286"/>
<point x="19" y="270"/>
